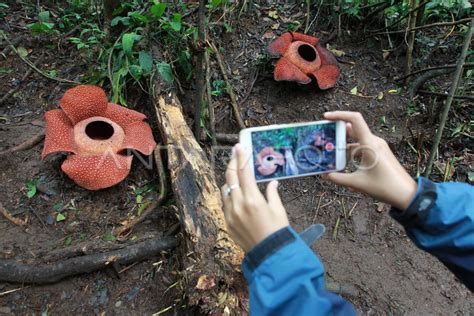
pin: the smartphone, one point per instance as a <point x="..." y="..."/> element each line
<point x="295" y="150"/>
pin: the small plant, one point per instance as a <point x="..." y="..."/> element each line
<point x="43" y="26"/>
<point x="31" y="188"/>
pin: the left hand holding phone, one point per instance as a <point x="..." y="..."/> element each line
<point x="249" y="216"/>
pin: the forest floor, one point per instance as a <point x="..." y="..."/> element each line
<point x="370" y="251"/>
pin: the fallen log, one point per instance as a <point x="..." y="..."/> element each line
<point x="210" y="259"/>
<point x="14" y="271"/>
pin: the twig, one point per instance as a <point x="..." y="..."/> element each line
<point x="229" y="89"/>
<point x="462" y="21"/>
<point x="466" y="65"/>
<point x="308" y="14"/>
<point x="227" y="138"/>
<point x="29" y="63"/>
<point x="316" y="213"/>
<point x="11" y="218"/>
<point x="13" y="291"/>
<point x="449" y="100"/>
<point x="200" y="71"/>
<point x="13" y="90"/>
<point x="411" y="37"/>
<point x="445" y="95"/>
<point x="28" y="144"/>
<point x="210" y="105"/>
<point x="336" y="228"/>
<point x="162" y="178"/>
<point x="253" y="79"/>
<point x="13" y="271"/>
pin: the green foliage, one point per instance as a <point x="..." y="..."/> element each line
<point x="31" y="188"/>
<point x="3" y="9"/>
<point x="43" y="26"/>
<point x="108" y="237"/>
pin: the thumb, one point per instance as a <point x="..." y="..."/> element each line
<point x="344" y="179"/>
<point x="273" y="197"/>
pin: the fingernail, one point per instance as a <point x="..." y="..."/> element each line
<point x="276" y="184"/>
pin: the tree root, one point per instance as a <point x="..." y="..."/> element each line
<point x="420" y="80"/>
<point x="13" y="271"/>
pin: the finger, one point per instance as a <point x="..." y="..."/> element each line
<point x="349" y="130"/>
<point x="244" y="172"/>
<point x="273" y="198"/>
<point x="227" y="201"/>
<point x="360" y="129"/>
<point x="232" y="178"/>
<point x="350" y="180"/>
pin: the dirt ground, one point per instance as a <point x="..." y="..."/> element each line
<point x="370" y="251"/>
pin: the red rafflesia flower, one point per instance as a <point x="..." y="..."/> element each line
<point x="97" y="133"/>
<point x="268" y="161"/>
<point x="302" y="57"/>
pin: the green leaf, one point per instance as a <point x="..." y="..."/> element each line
<point x="176" y="22"/>
<point x="127" y="42"/>
<point x="165" y="71"/>
<point x="143" y="207"/>
<point x="108" y="237"/>
<point x="215" y="3"/>
<point x="145" y="60"/>
<point x="354" y="90"/>
<point x="43" y="16"/>
<point x="22" y="51"/>
<point x="68" y="241"/>
<point x="136" y="71"/>
<point x="31" y="188"/>
<point x="120" y="19"/>
<point x="139" y="199"/>
<point x="60" y="217"/>
<point x="158" y="9"/>
<point x="58" y="206"/>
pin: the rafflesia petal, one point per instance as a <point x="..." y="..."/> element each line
<point x="122" y="116"/>
<point x="83" y="101"/>
<point x="99" y="171"/>
<point x="265" y="166"/>
<point x="59" y="133"/>
<point x="286" y="71"/>
<point x="138" y="136"/>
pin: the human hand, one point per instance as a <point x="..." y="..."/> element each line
<point x="379" y="173"/>
<point x="249" y="217"/>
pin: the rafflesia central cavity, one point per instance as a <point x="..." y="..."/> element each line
<point x="303" y="58"/>
<point x="97" y="135"/>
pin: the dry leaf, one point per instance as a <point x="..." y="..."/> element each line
<point x="386" y="54"/>
<point x="205" y="283"/>
<point x="268" y="35"/>
<point x="273" y="14"/>
<point x="336" y="52"/>
<point x="275" y="26"/>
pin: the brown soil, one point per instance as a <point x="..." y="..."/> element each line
<point x="370" y="251"/>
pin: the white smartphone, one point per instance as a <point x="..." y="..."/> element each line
<point x="295" y="150"/>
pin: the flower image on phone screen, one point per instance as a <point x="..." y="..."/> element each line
<point x="294" y="151"/>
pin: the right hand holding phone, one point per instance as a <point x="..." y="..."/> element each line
<point x="379" y="173"/>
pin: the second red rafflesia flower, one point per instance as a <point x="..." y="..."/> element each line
<point x="302" y="57"/>
<point x="97" y="134"/>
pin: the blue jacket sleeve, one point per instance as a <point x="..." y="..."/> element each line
<point x="286" y="278"/>
<point x="440" y="220"/>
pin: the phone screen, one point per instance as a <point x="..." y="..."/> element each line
<point x="294" y="151"/>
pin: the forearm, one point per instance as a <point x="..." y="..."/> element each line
<point x="285" y="277"/>
<point x="440" y="220"/>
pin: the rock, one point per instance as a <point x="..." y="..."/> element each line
<point x="118" y="304"/>
<point x="5" y="310"/>
<point x="50" y="219"/>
